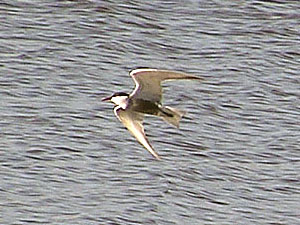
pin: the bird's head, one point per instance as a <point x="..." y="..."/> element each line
<point x="118" y="98"/>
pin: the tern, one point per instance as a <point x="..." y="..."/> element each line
<point x="146" y="98"/>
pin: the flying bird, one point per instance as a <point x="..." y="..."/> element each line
<point x="146" y="99"/>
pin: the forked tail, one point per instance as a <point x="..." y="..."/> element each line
<point x="172" y="115"/>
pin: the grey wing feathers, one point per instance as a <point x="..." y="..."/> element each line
<point x="148" y="82"/>
<point x="133" y="121"/>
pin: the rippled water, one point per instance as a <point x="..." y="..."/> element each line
<point x="66" y="159"/>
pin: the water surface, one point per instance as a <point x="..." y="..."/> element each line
<point x="66" y="159"/>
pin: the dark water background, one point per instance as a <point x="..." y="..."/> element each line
<point x="65" y="158"/>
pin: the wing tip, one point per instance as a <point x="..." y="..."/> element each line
<point x="157" y="157"/>
<point x="151" y="150"/>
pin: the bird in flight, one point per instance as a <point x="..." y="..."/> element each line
<point x="146" y="99"/>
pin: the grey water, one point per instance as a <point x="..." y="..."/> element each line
<point x="66" y="159"/>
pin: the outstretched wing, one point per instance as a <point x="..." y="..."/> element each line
<point x="148" y="81"/>
<point x="133" y="121"/>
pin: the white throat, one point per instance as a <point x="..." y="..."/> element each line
<point x="122" y="101"/>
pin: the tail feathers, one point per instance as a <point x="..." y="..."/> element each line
<point x="172" y="115"/>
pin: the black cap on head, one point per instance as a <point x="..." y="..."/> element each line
<point x="119" y="94"/>
<point x="115" y="95"/>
